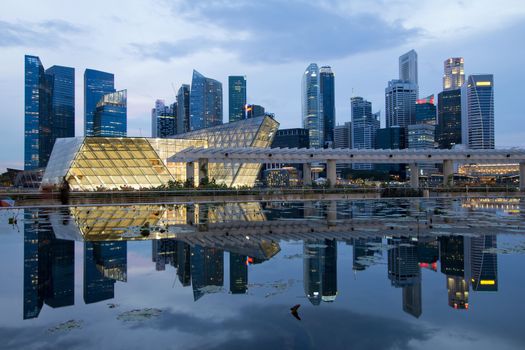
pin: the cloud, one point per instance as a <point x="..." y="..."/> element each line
<point x="35" y="34"/>
<point x="276" y="32"/>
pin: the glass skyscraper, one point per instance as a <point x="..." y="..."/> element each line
<point x="448" y="129"/>
<point x="110" y="118"/>
<point x="400" y="103"/>
<point x="327" y="87"/>
<point x="96" y="85"/>
<point x="454" y="73"/>
<point x="205" y="102"/>
<point x="49" y="109"/>
<point x="477" y="115"/>
<point x="183" y="109"/>
<point x="408" y="67"/>
<point x="311" y="106"/>
<point x="364" y="128"/>
<point x="163" y="119"/>
<point x="236" y="97"/>
<point x="426" y="111"/>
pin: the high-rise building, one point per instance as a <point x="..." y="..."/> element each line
<point x="164" y="252"/>
<point x="111" y="115"/>
<point x="207" y="270"/>
<point x="205" y="102"/>
<point x="184" y="263"/>
<point x="163" y="120"/>
<point x="364" y="128"/>
<point x="454" y="74"/>
<point x="183" y="109"/>
<point x="448" y="129"/>
<point x="311" y="106"/>
<point x="291" y="138"/>
<point x="477" y="112"/>
<point x="49" y="109"/>
<point x="238" y="274"/>
<point x="391" y="138"/>
<point x="96" y="85"/>
<point x="320" y="270"/>
<point x="254" y="111"/>
<point x="421" y="136"/>
<point x="343" y="135"/>
<point x="408" y="67"/>
<point x="484" y="264"/>
<point x="327" y="90"/>
<point x="400" y="103"/>
<point x="236" y="97"/>
<point x="426" y="111"/>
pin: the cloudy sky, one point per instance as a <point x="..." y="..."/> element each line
<point x="152" y="47"/>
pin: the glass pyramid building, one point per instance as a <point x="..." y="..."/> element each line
<point x="118" y="163"/>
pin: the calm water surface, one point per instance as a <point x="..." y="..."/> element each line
<point x="392" y="274"/>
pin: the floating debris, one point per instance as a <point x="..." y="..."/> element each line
<point x="112" y="306"/>
<point x="139" y="315"/>
<point x="66" y="326"/>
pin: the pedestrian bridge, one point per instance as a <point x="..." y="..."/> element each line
<point x="307" y="156"/>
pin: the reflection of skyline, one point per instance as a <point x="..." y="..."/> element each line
<point x="320" y="270"/>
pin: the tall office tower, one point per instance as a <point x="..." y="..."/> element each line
<point x="238" y="274"/>
<point x="343" y="135"/>
<point x="400" y="103"/>
<point x="454" y="73"/>
<point x="448" y="129"/>
<point x="364" y="128"/>
<point x="291" y="138"/>
<point x="207" y="270"/>
<point x="421" y="136"/>
<point x="110" y="118"/>
<point x="454" y="253"/>
<point x="320" y="270"/>
<point x="236" y="97"/>
<point x="183" y="109"/>
<point x="408" y="67"/>
<point x="254" y="111"/>
<point x="311" y="106"/>
<point x="49" y="109"/>
<point x="163" y="120"/>
<point x="426" y="111"/>
<point x="477" y="112"/>
<point x="484" y="265"/>
<point x="96" y="85"/>
<point x="205" y="102"/>
<point x="327" y="89"/>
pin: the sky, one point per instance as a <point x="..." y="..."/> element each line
<point x="153" y="46"/>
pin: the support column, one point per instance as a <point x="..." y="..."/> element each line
<point x="331" y="174"/>
<point x="448" y="173"/>
<point x="522" y="176"/>
<point x="307" y="174"/>
<point x="203" y="169"/>
<point x="331" y="213"/>
<point x="414" y="176"/>
<point x="190" y="173"/>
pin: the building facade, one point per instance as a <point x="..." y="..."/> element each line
<point x="236" y="97"/>
<point x="311" y="106"/>
<point x="183" y="109"/>
<point x="205" y="102"/>
<point x="96" y="85"/>
<point x="163" y="119"/>
<point x="448" y="129"/>
<point x="364" y="128"/>
<point x="477" y="112"/>
<point x="400" y="103"/>
<point x="426" y="111"/>
<point x="454" y="73"/>
<point x="111" y="115"/>
<point x="254" y="111"/>
<point x="408" y="67"/>
<point x="327" y="90"/>
<point x="343" y="135"/>
<point x="291" y="138"/>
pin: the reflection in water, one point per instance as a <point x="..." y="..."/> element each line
<point x="193" y="239"/>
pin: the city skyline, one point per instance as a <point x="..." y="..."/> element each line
<point x="148" y="74"/>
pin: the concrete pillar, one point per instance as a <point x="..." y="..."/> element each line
<point x="331" y="213"/>
<point x="331" y="174"/>
<point x="522" y="176"/>
<point x="414" y="176"/>
<point x="307" y="174"/>
<point x="203" y="169"/>
<point x="190" y="172"/>
<point x="448" y="170"/>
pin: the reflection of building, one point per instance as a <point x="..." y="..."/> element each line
<point x="114" y="163"/>
<point x="164" y="252"/>
<point x="457" y="288"/>
<point x="104" y="264"/>
<point x="320" y="270"/>
<point x="184" y="263"/>
<point x="238" y="273"/>
<point x="207" y="270"/>
<point x="48" y="266"/>
<point x="412" y="299"/>
<point x="484" y="265"/>
<point x="363" y="254"/>
<point x="456" y="267"/>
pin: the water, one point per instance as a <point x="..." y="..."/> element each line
<point x="367" y="274"/>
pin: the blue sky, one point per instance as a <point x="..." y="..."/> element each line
<point x="152" y="46"/>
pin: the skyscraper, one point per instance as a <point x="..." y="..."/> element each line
<point x="477" y="112"/>
<point x="96" y="85"/>
<point x="400" y="103"/>
<point x="159" y="108"/>
<point x="426" y="111"/>
<point x="238" y="273"/>
<point x="205" y="102"/>
<point x="49" y="109"/>
<point x="364" y="128"/>
<point x="454" y="73"/>
<point x="311" y="106"/>
<point x="183" y="109"/>
<point x="343" y="135"/>
<point x="254" y="111"/>
<point x="110" y="118"/>
<point x="408" y="67"/>
<point x="236" y="97"/>
<point x="163" y="120"/>
<point x="327" y="89"/>
<point x="448" y="129"/>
